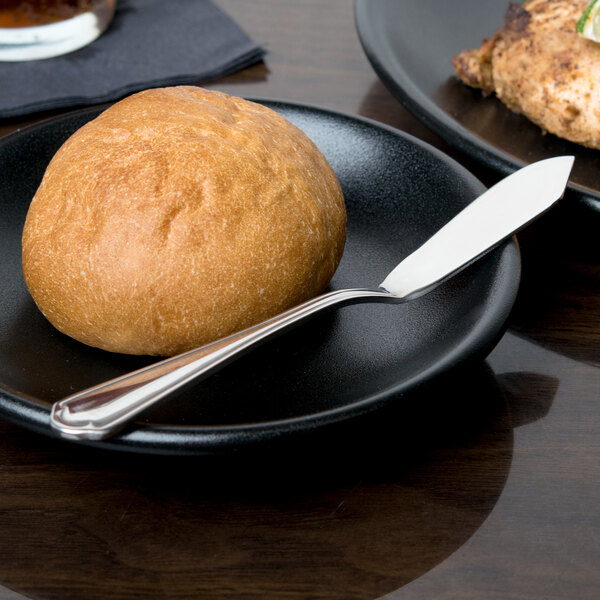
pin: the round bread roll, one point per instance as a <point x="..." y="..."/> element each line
<point x="179" y="216"/>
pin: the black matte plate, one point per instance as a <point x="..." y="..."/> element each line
<point x="344" y="364"/>
<point x="411" y="45"/>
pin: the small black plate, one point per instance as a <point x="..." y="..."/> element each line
<point x="348" y="363"/>
<point x="411" y="46"/>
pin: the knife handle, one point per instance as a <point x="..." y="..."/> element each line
<point x="101" y="411"/>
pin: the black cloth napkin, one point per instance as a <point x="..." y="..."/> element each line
<point x="150" y="43"/>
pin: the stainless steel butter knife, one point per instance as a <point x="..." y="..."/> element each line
<point x="512" y="203"/>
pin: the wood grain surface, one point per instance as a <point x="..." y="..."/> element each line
<point x="483" y="486"/>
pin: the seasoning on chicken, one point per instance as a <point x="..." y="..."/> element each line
<point x="539" y="66"/>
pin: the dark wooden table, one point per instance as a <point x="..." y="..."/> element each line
<point x="494" y="494"/>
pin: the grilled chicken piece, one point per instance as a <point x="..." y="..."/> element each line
<point x="539" y="66"/>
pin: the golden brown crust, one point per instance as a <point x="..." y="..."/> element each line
<point x="178" y="216"/>
<point x="540" y="67"/>
<point x="474" y="66"/>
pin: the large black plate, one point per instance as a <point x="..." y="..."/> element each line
<point x="342" y="365"/>
<point x="411" y="45"/>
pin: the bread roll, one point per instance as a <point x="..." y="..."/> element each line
<point x="179" y="216"/>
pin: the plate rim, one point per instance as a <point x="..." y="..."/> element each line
<point x="421" y="106"/>
<point x="172" y="439"/>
